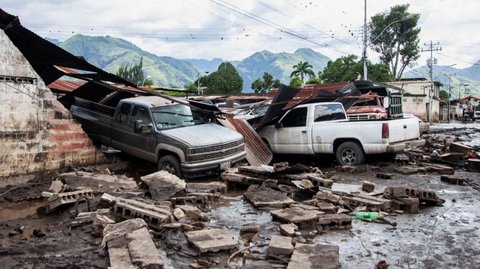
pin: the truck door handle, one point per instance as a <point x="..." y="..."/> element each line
<point x="304" y="132"/>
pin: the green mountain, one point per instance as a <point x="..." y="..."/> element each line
<point x="110" y="53"/>
<point x="279" y="65"/>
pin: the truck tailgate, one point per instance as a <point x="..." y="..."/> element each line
<point x="403" y="129"/>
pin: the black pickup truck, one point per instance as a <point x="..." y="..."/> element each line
<point x="175" y="136"/>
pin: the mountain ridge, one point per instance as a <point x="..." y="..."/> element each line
<point x="109" y="53"/>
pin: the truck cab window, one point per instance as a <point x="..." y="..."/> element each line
<point x="140" y="113"/>
<point x="295" y="118"/>
<point x="326" y="112"/>
<point x="123" y="114"/>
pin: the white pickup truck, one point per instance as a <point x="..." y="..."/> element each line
<point x="323" y="128"/>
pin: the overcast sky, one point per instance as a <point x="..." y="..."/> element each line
<point x="233" y="30"/>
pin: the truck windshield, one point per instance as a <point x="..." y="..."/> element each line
<point x="178" y="115"/>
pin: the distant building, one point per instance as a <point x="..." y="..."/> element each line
<point x="418" y="97"/>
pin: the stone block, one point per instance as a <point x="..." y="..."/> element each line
<point x="211" y="240"/>
<point x="317" y="256"/>
<point x="368" y="186"/>
<point x="130" y="245"/>
<point x="321" y="182"/>
<point x="268" y="197"/>
<point x="385" y="175"/>
<point x="163" y="185"/>
<point x="296" y="215"/>
<point x="280" y="246"/>
<point x="193" y="212"/>
<point x="407" y="204"/>
<point x="452" y="180"/>
<point x="288" y="229"/>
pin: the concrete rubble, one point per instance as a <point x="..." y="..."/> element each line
<point x="130" y="245"/>
<point x="211" y="240"/>
<point x="301" y="203"/>
<point x="162" y="185"/>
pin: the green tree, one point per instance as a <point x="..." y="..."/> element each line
<point x="348" y="68"/>
<point x="314" y="80"/>
<point x="225" y="80"/>
<point x="263" y="86"/>
<point x="301" y="69"/>
<point x="444" y="95"/>
<point x="395" y="35"/>
<point x="296" y="82"/>
<point x="134" y="74"/>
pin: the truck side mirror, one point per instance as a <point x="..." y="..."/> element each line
<point x="137" y="126"/>
<point x="279" y="125"/>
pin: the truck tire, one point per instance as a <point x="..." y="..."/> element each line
<point x="349" y="153"/>
<point x="170" y="164"/>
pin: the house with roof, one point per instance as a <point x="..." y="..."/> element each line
<point x="420" y="98"/>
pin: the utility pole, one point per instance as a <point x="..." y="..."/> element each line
<point x="431" y="48"/>
<point x="365" y="70"/>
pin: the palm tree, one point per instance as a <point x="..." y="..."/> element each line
<point x="302" y="69"/>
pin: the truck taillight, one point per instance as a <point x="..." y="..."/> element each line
<point x="385" y="130"/>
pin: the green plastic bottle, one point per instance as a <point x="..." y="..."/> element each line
<point x="367" y="215"/>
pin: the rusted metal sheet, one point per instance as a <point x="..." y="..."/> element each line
<point x="258" y="152"/>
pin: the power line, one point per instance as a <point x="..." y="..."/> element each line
<point x="270" y="24"/>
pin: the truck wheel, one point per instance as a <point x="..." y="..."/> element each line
<point x="170" y="164"/>
<point x="349" y="153"/>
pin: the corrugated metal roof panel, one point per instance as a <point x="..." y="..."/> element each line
<point x="258" y="152"/>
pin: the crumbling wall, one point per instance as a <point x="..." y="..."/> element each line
<point x="37" y="133"/>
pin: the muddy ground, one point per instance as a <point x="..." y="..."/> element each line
<point x="445" y="236"/>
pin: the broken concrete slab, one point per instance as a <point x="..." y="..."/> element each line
<point x="88" y="217"/>
<point x="473" y="165"/>
<point x="208" y="187"/>
<point x="438" y="168"/>
<point x="317" y="256"/>
<point x="385" y="175"/>
<point x="100" y="183"/>
<point x="268" y="197"/>
<point x="409" y="170"/>
<point x="459" y="147"/>
<point x="56" y="186"/>
<point x="130" y="245"/>
<point x="303" y="184"/>
<point x="233" y="177"/>
<point x="372" y="203"/>
<point x="334" y="221"/>
<point x="328" y="197"/>
<point x="65" y="198"/>
<point x="452" y="180"/>
<point x="280" y="246"/>
<point x="211" y="240"/>
<point x="296" y="215"/>
<point x="162" y="185"/>
<point x="288" y="229"/>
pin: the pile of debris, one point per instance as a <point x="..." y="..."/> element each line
<point x="301" y="200"/>
<point x="447" y="150"/>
